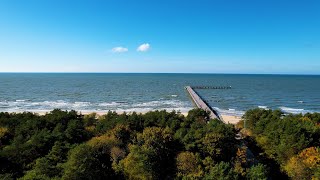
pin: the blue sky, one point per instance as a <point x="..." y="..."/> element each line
<point x="197" y="36"/>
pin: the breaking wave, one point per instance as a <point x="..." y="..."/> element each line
<point x="294" y="110"/>
<point x="45" y="106"/>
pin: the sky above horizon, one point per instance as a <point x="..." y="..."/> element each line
<point x="196" y="36"/>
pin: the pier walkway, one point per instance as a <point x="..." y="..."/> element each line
<point x="200" y="103"/>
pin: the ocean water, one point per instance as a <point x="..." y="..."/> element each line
<point x="40" y="92"/>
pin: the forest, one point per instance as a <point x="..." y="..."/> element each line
<point x="288" y="144"/>
<point x="158" y="145"/>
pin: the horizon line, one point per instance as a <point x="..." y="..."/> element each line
<point x="53" y="72"/>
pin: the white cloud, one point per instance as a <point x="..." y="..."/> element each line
<point x="119" y="49"/>
<point x="144" y="47"/>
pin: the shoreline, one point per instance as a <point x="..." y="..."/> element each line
<point x="232" y="119"/>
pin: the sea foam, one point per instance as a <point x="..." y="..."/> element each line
<point x="45" y="106"/>
<point x="294" y="110"/>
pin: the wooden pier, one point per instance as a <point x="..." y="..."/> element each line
<point x="200" y="103"/>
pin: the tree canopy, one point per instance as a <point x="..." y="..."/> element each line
<point x="292" y="141"/>
<point x="157" y="145"/>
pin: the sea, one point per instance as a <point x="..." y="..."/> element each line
<point x="101" y="92"/>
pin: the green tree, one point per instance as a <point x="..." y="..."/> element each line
<point x="198" y="115"/>
<point x="221" y="171"/>
<point x="87" y="162"/>
<point x="75" y="132"/>
<point x="90" y="119"/>
<point x="151" y="156"/>
<point x="49" y="166"/>
<point x="139" y="163"/>
<point x="257" y="172"/>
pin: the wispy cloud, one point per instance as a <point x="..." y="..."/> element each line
<point x="144" y="47"/>
<point x="119" y="49"/>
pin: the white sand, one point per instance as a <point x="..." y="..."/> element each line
<point x="231" y="119"/>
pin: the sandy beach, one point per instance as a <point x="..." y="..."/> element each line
<point x="231" y="119"/>
<point x="226" y="118"/>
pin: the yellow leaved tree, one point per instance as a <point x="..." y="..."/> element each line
<point x="305" y="165"/>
